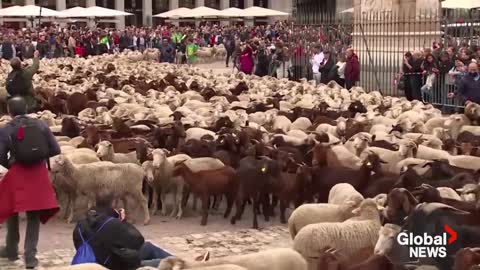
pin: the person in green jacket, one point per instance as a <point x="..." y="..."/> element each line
<point x="177" y="37"/>
<point x="192" y="49"/>
<point x="25" y="88"/>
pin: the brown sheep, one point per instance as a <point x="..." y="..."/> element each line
<point x="209" y="183"/>
<point x="76" y="103"/>
<point x="465" y="258"/>
<point x="70" y="127"/>
<point x="400" y="202"/>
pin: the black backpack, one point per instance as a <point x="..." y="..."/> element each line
<point x="16" y="84"/>
<point x="29" y="143"/>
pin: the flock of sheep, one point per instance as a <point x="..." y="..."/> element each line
<point x="359" y="167"/>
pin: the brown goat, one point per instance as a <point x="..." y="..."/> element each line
<point x="400" y="202"/>
<point x="76" y="102"/>
<point x="465" y="258"/>
<point x="291" y="187"/>
<point x="209" y="183"/>
<point x="70" y="127"/>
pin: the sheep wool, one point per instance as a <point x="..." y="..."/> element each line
<point x="86" y="266"/>
<point x="318" y="212"/>
<point x="350" y="236"/>
<point x="120" y="179"/>
<point x="203" y="164"/>
<point x="344" y="192"/>
<point x="273" y="259"/>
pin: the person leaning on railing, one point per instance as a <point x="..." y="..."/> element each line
<point x="469" y="85"/>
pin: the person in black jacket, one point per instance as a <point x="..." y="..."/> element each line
<point x="261" y="69"/>
<point x="7" y="49"/>
<point x="415" y="77"/>
<point x="123" y="41"/>
<point x="326" y="68"/>
<point x="118" y="245"/>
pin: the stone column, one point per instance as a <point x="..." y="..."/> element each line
<point x="199" y="3"/>
<point x="120" y="5"/>
<point x="284" y="6"/>
<point x="61" y="4"/>
<point x="223" y="5"/>
<point x="1" y="19"/>
<point x="249" y="20"/>
<point x="173" y="4"/>
<point x="90" y="3"/>
<point x="147" y="12"/>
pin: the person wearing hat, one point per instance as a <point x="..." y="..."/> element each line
<point x="19" y="81"/>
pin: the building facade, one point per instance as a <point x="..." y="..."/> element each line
<point x="319" y="11"/>
<point x="144" y="10"/>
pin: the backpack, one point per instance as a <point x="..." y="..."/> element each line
<point x="85" y="252"/>
<point x="16" y="84"/>
<point x="29" y="144"/>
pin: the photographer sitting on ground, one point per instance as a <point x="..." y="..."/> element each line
<point x="116" y="244"/>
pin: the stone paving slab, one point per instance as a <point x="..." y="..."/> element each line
<point x="219" y="244"/>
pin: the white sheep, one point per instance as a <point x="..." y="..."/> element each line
<point x="282" y="123"/>
<point x="120" y="179"/>
<point x="392" y="158"/>
<point x="349" y="236"/>
<point x="301" y="123"/>
<point x="106" y="152"/>
<point x="85" y="266"/>
<point x="273" y="259"/>
<point x="312" y="213"/>
<point x="466" y="162"/>
<point x="340" y="154"/>
<point x="159" y="176"/>
<point x="197" y="133"/>
<point x="358" y="142"/>
<point x="69" y="188"/>
<point x="448" y="193"/>
<point x="343" y="192"/>
<point x="428" y="153"/>
<point x="387" y="234"/>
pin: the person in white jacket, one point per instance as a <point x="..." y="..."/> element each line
<point x="316" y="60"/>
<point x="341" y="65"/>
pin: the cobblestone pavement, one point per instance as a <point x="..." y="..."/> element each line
<point x="184" y="238"/>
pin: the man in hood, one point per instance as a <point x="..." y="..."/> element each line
<point x="352" y="69"/>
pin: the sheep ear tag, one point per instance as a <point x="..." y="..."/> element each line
<point x="20" y="133"/>
<point x="264" y="170"/>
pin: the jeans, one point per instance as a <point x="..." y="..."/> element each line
<point x="151" y="255"/>
<point x="31" y="237"/>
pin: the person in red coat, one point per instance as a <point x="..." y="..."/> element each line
<point x="352" y="69"/>
<point x="24" y="188"/>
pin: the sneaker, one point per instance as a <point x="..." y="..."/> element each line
<point x="10" y="257"/>
<point x="31" y="263"/>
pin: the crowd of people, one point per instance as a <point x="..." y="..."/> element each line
<point x="442" y="72"/>
<point x="281" y="49"/>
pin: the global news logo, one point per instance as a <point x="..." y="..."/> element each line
<point x="427" y="246"/>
